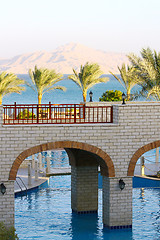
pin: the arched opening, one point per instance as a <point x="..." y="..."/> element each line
<point x="145" y="195"/>
<point x="106" y="162"/>
<point x="84" y="160"/>
<point x="138" y="154"/>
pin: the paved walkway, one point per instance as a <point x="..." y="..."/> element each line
<point x="21" y="182"/>
<point x="60" y="171"/>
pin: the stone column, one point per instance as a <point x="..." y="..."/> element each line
<point x="84" y="189"/>
<point x="157" y="155"/>
<point x="33" y="161"/>
<point x="117" y="203"/>
<point x="142" y="166"/>
<point x="84" y="181"/>
<point x="36" y="170"/>
<point x="29" y="175"/>
<point x="40" y="160"/>
<point x="7" y="204"/>
<point x="48" y="168"/>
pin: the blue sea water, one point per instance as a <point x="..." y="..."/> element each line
<point x="45" y="213"/>
<point x="71" y="95"/>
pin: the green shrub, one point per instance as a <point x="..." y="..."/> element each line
<point x="158" y="174"/>
<point x="7" y="233"/>
<point x="111" y="96"/>
<point x="25" y="115"/>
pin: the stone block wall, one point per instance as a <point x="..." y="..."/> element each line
<point x="84" y="189"/>
<point x="117" y="203"/>
<point x="7" y="204"/>
<point x="135" y="130"/>
<point x="134" y="126"/>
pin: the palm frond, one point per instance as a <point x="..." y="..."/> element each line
<point x="10" y="83"/>
<point x="43" y="80"/>
<point x="119" y="80"/>
<point x="155" y="93"/>
<point x="55" y="88"/>
<point x="75" y="78"/>
<point x="128" y="78"/>
<point x="88" y="76"/>
<point x="147" y="69"/>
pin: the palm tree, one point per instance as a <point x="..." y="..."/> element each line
<point x="88" y="76"/>
<point x="148" y="71"/>
<point x="43" y="80"/>
<point x="10" y="83"/>
<point x="128" y="78"/>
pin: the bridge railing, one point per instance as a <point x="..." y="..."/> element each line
<point x="56" y="114"/>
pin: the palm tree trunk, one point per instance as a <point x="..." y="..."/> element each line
<point x="128" y="94"/>
<point x="39" y="102"/>
<point x="84" y="97"/>
<point x="39" y="98"/>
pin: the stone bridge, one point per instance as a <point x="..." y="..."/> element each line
<point x="115" y="147"/>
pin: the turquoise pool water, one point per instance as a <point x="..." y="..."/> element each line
<point x="45" y="214"/>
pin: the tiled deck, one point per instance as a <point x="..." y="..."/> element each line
<point x="23" y="174"/>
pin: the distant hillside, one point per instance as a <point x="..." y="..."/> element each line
<point x="63" y="59"/>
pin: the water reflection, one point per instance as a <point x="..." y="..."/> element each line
<point x="84" y="226"/>
<point x="121" y="234"/>
<point x="58" y="158"/>
<point x="46" y="213"/>
<point x="29" y="200"/>
<point x="142" y="194"/>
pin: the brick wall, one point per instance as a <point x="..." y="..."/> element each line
<point x="135" y="130"/>
<point x="7" y="204"/>
<point x="134" y="127"/>
<point x="117" y="203"/>
<point x="84" y="188"/>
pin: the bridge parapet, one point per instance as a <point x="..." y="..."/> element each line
<point x="56" y="114"/>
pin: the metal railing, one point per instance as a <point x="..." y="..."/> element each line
<point x="20" y="184"/>
<point x="56" y="114"/>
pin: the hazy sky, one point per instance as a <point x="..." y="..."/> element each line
<point x="109" y="25"/>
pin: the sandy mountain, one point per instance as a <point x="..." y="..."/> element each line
<point x="63" y="59"/>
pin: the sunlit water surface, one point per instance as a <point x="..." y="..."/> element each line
<point x="46" y="214"/>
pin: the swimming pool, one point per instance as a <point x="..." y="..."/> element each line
<point x="45" y="214"/>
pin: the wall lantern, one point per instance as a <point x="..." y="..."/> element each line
<point x="91" y="95"/>
<point x="123" y="98"/>
<point x="121" y="184"/>
<point x="2" y="188"/>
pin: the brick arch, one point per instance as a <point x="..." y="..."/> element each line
<point x="138" y="154"/>
<point x="57" y="145"/>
